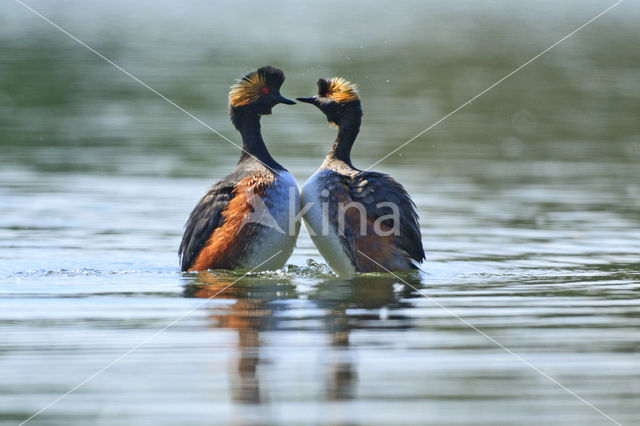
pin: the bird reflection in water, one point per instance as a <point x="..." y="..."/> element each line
<point x="255" y="301"/>
<point x="251" y="313"/>
<point x="370" y="295"/>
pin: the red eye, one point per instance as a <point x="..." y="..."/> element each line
<point x="265" y="90"/>
<point x="325" y="94"/>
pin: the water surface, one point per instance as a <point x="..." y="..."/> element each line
<point x="529" y="202"/>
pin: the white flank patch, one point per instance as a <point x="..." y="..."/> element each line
<point x="281" y="196"/>
<point x="327" y="240"/>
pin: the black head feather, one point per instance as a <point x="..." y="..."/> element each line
<point x="257" y="93"/>
<point x="273" y="77"/>
<point x="323" y="87"/>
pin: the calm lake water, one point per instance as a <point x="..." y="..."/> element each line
<point x="529" y="202"/>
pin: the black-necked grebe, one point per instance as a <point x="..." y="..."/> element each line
<point x="243" y="220"/>
<point x="361" y="221"/>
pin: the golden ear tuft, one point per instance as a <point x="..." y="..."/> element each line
<point x="340" y="90"/>
<point x="247" y="90"/>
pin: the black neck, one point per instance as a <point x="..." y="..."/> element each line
<point x="341" y="148"/>
<point x="253" y="147"/>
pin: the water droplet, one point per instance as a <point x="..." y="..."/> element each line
<point x="384" y="313"/>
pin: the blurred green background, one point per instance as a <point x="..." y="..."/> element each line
<point x="64" y="109"/>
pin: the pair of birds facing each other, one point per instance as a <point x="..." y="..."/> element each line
<point x="360" y="221"/>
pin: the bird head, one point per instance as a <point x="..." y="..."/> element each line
<point x="258" y="92"/>
<point x="337" y="99"/>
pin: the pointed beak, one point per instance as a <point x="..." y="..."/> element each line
<point x="282" y="100"/>
<point x="311" y="100"/>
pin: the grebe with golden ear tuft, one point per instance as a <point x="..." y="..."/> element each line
<point x="243" y="219"/>
<point x="361" y="221"/>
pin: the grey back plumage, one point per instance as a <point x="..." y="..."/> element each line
<point x="204" y="219"/>
<point x="370" y="189"/>
<point x="206" y="216"/>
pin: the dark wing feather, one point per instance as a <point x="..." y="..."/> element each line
<point x="373" y="188"/>
<point x="370" y="189"/>
<point x="204" y="219"/>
